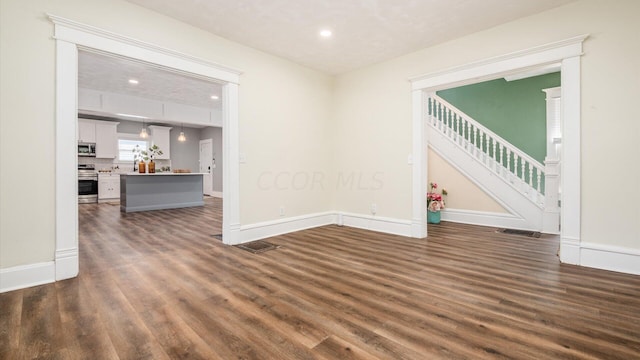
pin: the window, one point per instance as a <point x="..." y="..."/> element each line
<point x="126" y="144"/>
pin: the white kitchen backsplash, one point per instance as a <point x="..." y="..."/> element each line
<point x="123" y="166"/>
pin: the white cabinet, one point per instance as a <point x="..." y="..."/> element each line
<point x="161" y="136"/>
<point x="108" y="186"/>
<point x="106" y="140"/>
<point x="86" y="131"/>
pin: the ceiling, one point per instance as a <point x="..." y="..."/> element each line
<point x="112" y="74"/>
<point x="364" y="31"/>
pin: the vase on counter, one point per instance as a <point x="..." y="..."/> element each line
<point x="141" y="167"/>
<point x="152" y="167"/>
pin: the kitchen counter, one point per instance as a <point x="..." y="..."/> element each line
<point x="159" y="173"/>
<point x="143" y="192"/>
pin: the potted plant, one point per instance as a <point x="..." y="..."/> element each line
<point x="435" y="203"/>
<point x="152" y="152"/>
<point x="139" y="157"/>
<point x="146" y="155"/>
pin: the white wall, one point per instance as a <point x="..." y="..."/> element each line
<point x="277" y="98"/>
<point x="463" y="194"/>
<point x="373" y="113"/>
<point x="185" y="155"/>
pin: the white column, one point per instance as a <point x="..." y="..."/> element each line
<point x="66" y="255"/>
<point x="419" y="166"/>
<point x="230" y="165"/>
<point x="570" y="166"/>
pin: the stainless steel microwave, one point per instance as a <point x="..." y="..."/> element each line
<point x="87" y="149"/>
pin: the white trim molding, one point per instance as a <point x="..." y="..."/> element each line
<point x="71" y="36"/>
<point x="613" y="258"/>
<point x="20" y="277"/>
<point x="267" y="229"/>
<point x="485" y="218"/>
<point x="566" y="52"/>
<point x="91" y="38"/>
<point x="419" y="166"/>
<point x="377" y="223"/>
<point x="500" y="66"/>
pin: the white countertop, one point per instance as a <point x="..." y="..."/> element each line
<point x="160" y="174"/>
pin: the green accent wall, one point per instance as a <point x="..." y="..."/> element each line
<point x="515" y="110"/>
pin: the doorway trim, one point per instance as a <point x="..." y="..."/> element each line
<point x="72" y="36"/>
<point x="565" y="52"/>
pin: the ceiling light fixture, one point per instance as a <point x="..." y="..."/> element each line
<point x="133" y="82"/>
<point x="325" y="33"/>
<point x="143" y="132"/>
<point x="181" y="137"/>
<point x="215" y="97"/>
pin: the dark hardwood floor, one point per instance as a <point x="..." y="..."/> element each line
<point x="158" y="285"/>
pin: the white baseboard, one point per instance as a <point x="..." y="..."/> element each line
<point x="67" y="264"/>
<point x="267" y="229"/>
<point x="20" y="277"/>
<point x="377" y="223"/>
<point x="570" y="250"/>
<point x="613" y="258"/>
<point x="485" y="218"/>
<point x="216" y="194"/>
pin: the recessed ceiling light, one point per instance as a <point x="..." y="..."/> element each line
<point x="133" y="81"/>
<point x="215" y="97"/>
<point x="325" y="33"/>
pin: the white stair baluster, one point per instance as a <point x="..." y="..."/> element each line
<point x="539" y="179"/>
<point x="508" y="172"/>
<point x="465" y="133"/>
<point x="439" y="115"/>
<point x="449" y="123"/>
<point x="478" y="142"/>
<point x="473" y="140"/>
<point x="485" y="150"/>
<point x="455" y="128"/>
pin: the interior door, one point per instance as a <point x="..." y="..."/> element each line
<point x="206" y="165"/>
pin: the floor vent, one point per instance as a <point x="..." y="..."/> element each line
<point x="526" y="233"/>
<point x="257" y="247"/>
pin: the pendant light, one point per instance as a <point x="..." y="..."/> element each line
<point x="181" y="137"/>
<point x="143" y="132"/>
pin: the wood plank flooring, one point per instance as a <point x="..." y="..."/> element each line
<point x="158" y="285"/>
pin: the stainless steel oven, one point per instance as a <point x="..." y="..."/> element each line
<point x="87" y="184"/>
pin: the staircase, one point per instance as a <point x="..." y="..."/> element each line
<point x="511" y="177"/>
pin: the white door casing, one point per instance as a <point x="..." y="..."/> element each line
<point x="566" y="52"/>
<point x="206" y="165"/>
<point x="71" y="36"/>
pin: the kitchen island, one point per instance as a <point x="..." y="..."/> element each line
<point x="142" y="192"/>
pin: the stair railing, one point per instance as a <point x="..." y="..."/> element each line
<point x="501" y="157"/>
